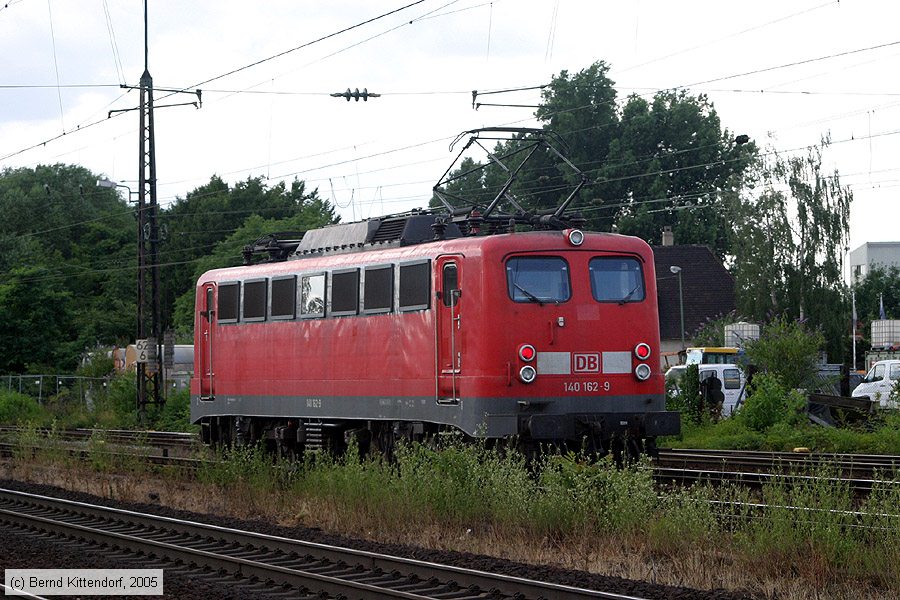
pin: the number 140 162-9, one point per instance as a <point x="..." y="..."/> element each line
<point x="586" y="386"/>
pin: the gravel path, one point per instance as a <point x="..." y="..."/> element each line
<point x="29" y="551"/>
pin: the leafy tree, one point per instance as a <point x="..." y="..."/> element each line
<point x="712" y="332"/>
<point x="36" y="318"/>
<point x="787" y="245"/>
<point x="788" y="350"/>
<point x="687" y="398"/>
<point x="67" y="257"/>
<point x="227" y="253"/>
<point x="881" y="284"/>
<point x="650" y="163"/>
<point x="670" y="164"/>
<point x="212" y="213"/>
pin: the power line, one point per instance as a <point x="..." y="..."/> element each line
<point x="305" y="45"/>
<point x="726" y="37"/>
<point x="88" y="125"/>
<point x="56" y="68"/>
<point x="112" y="42"/>
<point x="791" y="64"/>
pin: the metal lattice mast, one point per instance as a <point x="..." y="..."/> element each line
<point x="149" y="231"/>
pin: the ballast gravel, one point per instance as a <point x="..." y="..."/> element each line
<point x="22" y="550"/>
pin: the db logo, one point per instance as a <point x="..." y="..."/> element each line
<point x="586" y="363"/>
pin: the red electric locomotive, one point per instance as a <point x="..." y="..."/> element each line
<point x="405" y="326"/>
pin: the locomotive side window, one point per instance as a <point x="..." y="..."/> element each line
<point x="538" y="279"/>
<point x="312" y="295"/>
<point x="451" y="284"/>
<point x="415" y="286"/>
<point x="229" y="299"/>
<point x="616" y="279"/>
<point x="378" y="289"/>
<point x="255" y="293"/>
<point x="284" y="297"/>
<point x="345" y="292"/>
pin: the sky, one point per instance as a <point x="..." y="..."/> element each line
<point x="784" y="73"/>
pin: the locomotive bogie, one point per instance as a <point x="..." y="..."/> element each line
<point x="524" y="334"/>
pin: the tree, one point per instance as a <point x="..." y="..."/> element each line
<point x="227" y="253"/>
<point x="670" y="165"/>
<point x="36" y="322"/>
<point x="67" y="260"/>
<point x="880" y="286"/>
<point x="649" y="164"/>
<point x="788" y="350"/>
<point x="787" y="245"/>
<point x="212" y="213"/>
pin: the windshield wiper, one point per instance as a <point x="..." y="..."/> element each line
<point x="630" y="294"/>
<point x="528" y="294"/>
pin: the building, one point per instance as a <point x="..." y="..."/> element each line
<point x="707" y="291"/>
<point x="871" y="254"/>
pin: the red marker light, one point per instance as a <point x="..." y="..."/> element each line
<point x="642" y="351"/>
<point x="527" y="352"/>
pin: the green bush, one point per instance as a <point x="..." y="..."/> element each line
<point x="174" y="415"/>
<point x="770" y="402"/>
<point x="18" y="408"/>
<point x="687" y="400"/>
<point x="787" y="350"/>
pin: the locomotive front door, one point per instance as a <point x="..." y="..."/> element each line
<point x="449" y="351"/>
<point x="205" y="351"/>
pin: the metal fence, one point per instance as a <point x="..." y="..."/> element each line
<point x="45" y="386"/>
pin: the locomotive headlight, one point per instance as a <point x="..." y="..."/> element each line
<point x="575" y="236"/>
<point x="642" y="372"/>
<point x="527" y="374"/>
<point x="642" y="351"/>
<point x="527" y="352"/>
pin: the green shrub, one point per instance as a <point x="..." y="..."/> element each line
<point x="174" y="415"/>
<point x="787" y="350"/>
<point x="687" y="400"/>
<point x="770" y="402"/>
<point x="18" y="408"/>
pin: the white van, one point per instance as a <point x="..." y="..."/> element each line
<point x="879" y="382"/>
<point x="734" y="384"/>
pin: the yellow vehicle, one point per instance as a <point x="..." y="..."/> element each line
<point x="711" y="355"/>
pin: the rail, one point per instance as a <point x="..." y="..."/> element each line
<point x="303" y="565"/>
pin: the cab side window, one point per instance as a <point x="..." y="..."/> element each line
<point x="877" y="373"/>
<point x="732" y="379"/>
<point x="895" y="372"/>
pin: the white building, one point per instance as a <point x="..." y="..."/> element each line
<point x="871" y="254"/>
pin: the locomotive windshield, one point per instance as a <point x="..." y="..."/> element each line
<point x="616" y="279"/>
<point x="538" y="279"/>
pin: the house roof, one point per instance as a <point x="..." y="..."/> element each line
<point x="707" y="286"/>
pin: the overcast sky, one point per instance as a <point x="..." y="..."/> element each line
<point x="275" y="119"/>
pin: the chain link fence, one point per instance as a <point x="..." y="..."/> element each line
<point x="45" y="386"/>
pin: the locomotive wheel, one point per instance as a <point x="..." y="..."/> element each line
<point x="383" y="440"/>
<point x="634" y="448"/>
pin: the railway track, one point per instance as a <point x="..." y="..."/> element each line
<point x="168" y="442"/>
<point x="861" y="472"/>
<point x="277" y="567"/>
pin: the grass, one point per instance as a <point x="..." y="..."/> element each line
<point x="110" y="406"/>
<point x="881" y="436"/>
<point x="561" y="509"/>
<point x="810" y="531"/>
